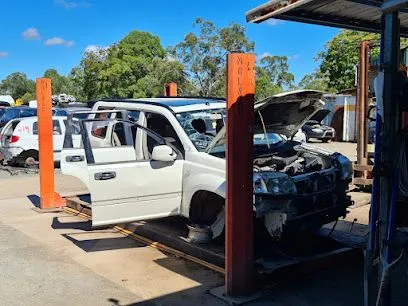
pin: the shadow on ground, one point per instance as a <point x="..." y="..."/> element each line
<point x="35" y="200"/>
<point x="103" y="244"/>
<point x="79" y="225"/>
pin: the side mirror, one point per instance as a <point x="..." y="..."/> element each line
<point x="163" y="153"/>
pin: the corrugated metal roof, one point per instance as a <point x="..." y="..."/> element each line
<point x="363" y="15"/>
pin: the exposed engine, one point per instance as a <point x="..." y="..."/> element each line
<point x="292" y="182"/>
<point x="292" y="160"/>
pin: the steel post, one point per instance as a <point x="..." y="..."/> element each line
<point x="362" y="104"/>
<point x="49" y="199"/>
<point x="391" y="126"/>
<point x="239" y="199"/>
<point x="170" y="90"/>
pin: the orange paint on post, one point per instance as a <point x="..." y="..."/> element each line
<point x="239" y="211"/>
<point x="170" y="90"/>
<point x="49" y="198"/>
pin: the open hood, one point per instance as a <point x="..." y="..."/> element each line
<point x="282" y="114"/>
<point x="320" y="115"/>
<point x="285" y="113"/>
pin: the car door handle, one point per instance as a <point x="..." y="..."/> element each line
<point x="75" y="158"/>
<point x="103" y="176"/>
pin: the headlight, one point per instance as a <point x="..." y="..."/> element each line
<point x="275" y="183"/>
<point x="345" y="167"/>
<point x="317" y="130"/>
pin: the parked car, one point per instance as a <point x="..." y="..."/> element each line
<point x="65" y="111"/>
<point x="10" y="113"/>
<point x="314" y="128"/>
<point x="19" y="140"/>
<point x="171" y="162"/>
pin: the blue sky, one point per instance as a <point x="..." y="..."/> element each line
<point x="55" y="33"/>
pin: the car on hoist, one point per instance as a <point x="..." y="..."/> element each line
<point x="150" y="158"/>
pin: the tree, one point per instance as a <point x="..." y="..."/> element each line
<point x="135" y="67"/>
<point x="28" y="96"/>
<point x="17" y="85"/>
<point x="272" y="76"/>
<point x="88" y="73"/>
<point x="316" y="80"/>
<point x="203" y="54"/>
<point x="75" y="84"/>
<point x="58" y="82"/>
<point x="340" y="57"/>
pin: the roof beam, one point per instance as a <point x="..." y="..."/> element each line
<point x="303" y="11"/>
<point x="393" y="5"/>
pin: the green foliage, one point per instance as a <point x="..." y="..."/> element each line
<point x="17" y="85"/>
<point x="340" y="57"/>
<point x="135" y="67"/>
<point x="58" y="82"/>
<point x="27" y="97"/>
<point x="316" y="80"/>
<point x="203" y="54"/>
<point x="272" y="76"/>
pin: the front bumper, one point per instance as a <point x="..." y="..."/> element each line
<point x="324" y="135"/>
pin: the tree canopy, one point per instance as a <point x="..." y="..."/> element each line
<point x="273" y="76"/>
<point x="17" y="85"/>
<point x="203" y="54"/>
<point x="339" y="58"/>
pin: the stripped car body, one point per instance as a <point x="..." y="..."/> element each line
<point x="295" y="186"/>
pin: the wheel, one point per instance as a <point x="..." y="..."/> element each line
<point x="30" y="162"/>
<point x="325" y="140"/>
<point x="29" y="159"/>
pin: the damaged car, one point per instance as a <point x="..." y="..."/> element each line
<point x="314" y="128"/>
<point x="162" y="157"/>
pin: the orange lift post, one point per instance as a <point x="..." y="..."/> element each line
<point x="239" y="200"/>
<point x="49" y="198"/>
<point x="170" y="89"/>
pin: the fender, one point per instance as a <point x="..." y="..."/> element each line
<point x="206" y="182"/>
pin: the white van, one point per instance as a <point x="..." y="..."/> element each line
<point x="19" y="140"/>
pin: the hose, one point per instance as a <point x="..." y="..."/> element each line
<point x="385" y="279"/>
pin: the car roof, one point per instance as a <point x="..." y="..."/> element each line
<point x="177" y="104"/>
<point x="35" y="118"/>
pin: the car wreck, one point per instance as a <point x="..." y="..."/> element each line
<point x="314" y="128"/>
<point x="167" y="157"/>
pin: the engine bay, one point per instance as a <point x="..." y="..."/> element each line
<point x="290" y="158"/>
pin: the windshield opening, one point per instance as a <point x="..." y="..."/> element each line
<point x="202" y="126"/>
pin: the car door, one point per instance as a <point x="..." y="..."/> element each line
<point x="125" y="187"/>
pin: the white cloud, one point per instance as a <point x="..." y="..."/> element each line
<point x="31" y="34"/>
<point x="71" y="4"/>
<point x="273" y="22"/>
<point x="95" y="48"/>
<point x="3" y="54"/>
<point x="58" y="41"/>
<point x="294" y="57"/>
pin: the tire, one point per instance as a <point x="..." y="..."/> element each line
<point x="325" y="140"/>
<point x="29" y="159"/>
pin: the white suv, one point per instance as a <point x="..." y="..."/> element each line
<point x="151" y="158"/>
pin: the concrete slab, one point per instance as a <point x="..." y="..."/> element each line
<point x="61" y="253"/>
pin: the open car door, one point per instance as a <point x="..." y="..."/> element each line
<point x="125" y="186"/>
